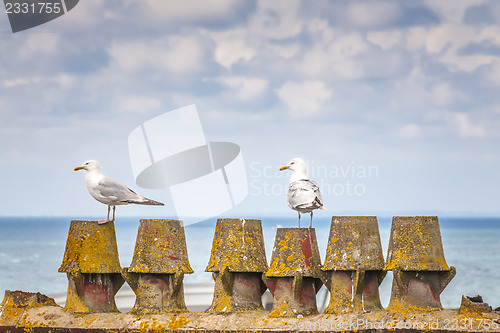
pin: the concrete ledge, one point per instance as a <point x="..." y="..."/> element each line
<point x="99" y="330"/>
<point x="55" y="319"/>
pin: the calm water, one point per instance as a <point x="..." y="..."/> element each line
<point x="31" y="250"/>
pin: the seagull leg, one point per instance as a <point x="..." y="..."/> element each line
<point x="299" y="219"/>
<point x="107" y="219"/>
<point x="311" y="223"/>
<point x="114" y="208"/>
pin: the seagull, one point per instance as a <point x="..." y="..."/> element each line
<point x="109" y="191"/>
<point x="303" y="194"/>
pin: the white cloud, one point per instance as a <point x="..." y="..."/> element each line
<point x="239" y="45"/>
<point x="316" y="61"/>
<point x="40" y="44"/>
<point x="137" y="104"/>
<point x="272" y="20"/>
<point x="246" y="88"/>
<point x="277" y="19"/>
<point x="184" y="54"/>
<point x="416" y="38"/>
<point x="337" y="59"/>
<point x="439" y="37"/>
<point x="231" y="47"/>
<point x="444" y="94"/>
<point x="466" y="63"/>
<point x="131" y="56"/>
<point x="64" y="81"/>
<point x="446" y="41"/>
<point x="21" y="81"/>
<point x="185" y="10"/>
<point x="348" y="46"/>
<point x="384" y="39"/>
<point x="492" y="75"/>
<point x="409" y="131"/>
<point x="490" y="34"/>
<point x="372" y="14"/>
<point x="319" y="28"/>
<point x="285" y="51"/>
<point x="85" y="14"/>
<point x="175" y="54"/>
<point x="460" y="122"/>
<point x="304" y="99"/>
<point x="452" y="10"/>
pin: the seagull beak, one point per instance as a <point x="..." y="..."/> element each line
<point x="78" y="168"/>
<point x="284" y="167"/>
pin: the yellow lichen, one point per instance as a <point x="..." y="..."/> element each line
<point x="152" y="325"/>
<point x="177" y="321"/>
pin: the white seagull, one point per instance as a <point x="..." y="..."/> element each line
<point x="109" y="191"/>
<point x="303" y="194"/>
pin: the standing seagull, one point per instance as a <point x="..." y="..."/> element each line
<point x="109" y="191"/>
<point x="303" y="194"/>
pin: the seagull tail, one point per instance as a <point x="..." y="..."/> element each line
<point x="147" y="201"/>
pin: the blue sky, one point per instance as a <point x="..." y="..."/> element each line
<point x="394" y="104"/>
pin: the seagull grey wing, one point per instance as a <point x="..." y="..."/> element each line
<point x="319" y="198"/>
<point x="303" y="195"/>
<point x="117" y="192"/>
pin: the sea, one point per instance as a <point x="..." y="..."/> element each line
<point x="32" y="248"/>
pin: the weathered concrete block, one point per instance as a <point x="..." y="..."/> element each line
<point x="416" y="257"/>
<point x="293" y="275"/>
<point x="93" y="268"/>
<point x="158" y="266"/>
<point x="237" y="262"/>
<point x="354" y="264"/>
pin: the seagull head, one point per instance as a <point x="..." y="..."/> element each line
<point x="296" y="165"/>
<point x="89" y="166"/>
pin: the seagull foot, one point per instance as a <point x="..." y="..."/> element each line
<point x="104" y="221"/>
